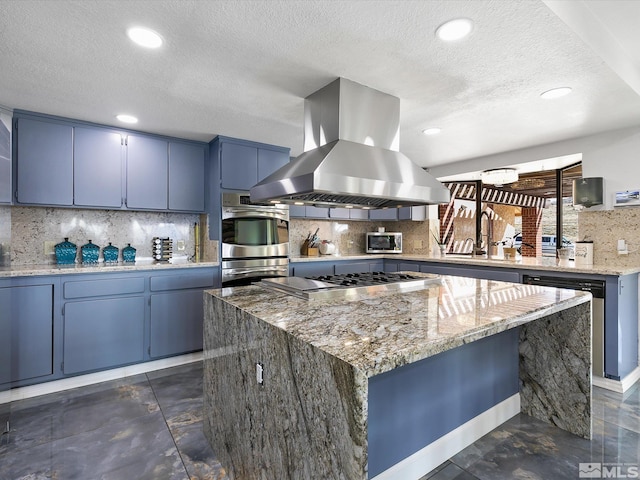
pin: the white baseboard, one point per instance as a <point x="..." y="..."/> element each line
<point x="438" y="452"/>
<point x="21" y="393"/>
<point x="619" y="386"/>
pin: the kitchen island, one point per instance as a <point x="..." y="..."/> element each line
<point x="390" y="385"/>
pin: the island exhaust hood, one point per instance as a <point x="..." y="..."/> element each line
<point x="351" y="157"/>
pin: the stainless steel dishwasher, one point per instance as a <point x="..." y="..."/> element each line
<point x="597" y="289"/>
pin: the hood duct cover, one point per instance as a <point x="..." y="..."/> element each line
<point x="351" y="137"/>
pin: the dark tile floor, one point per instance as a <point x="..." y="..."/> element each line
<point x="150" y="427"/>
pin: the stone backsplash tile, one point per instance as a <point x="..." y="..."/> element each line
<point x="32" y="226"/>
<point x="5" y="236"/>
<point x="349" y="236"/>
<point x="605" y="228"/>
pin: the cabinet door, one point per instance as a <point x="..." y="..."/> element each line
<point x="44" y="163"/>
<point x="312" y="269"/>
<point x="176" y="322"/>
<point x="340" y="213"/>
<point x="390" y="266"/>
<point x="297" y="211"/>
<point x="103" y="333"/>
<point x="358" y="214"/>
<point x="408" y="267"/>
<point x="5" y="161"/>
<point x="316" y="212"/>
<point x="383" y="214"/>
<point x="97" y="167"/>
<point x="404" y="213"/>
<point x="269" y="161"/>
<point x="239" y="166"/>
<point x="186" y="177"/>
<point x="342" y="268"/>
<point x="26" y="332"/>
<point x="147" y="171"/>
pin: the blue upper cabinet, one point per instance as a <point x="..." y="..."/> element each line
<point x="269" y="161"/>
<point x="147" y="173"/>
<point x="244" y="163"/>
<point x="97" y="168"/>
<point x="61" y="162"/>
<point x="402" y="213"/>
<point x="186" y="176"/>
<point x="5" y="158"/>
<point x="45" y="163"/>
<point x="384" y="214"/>
<point x="349" y="214"/>
<point x="239" y="166"/>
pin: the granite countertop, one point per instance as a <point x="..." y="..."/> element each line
<point x="37" y="270"/>
<point x="525" y="263"/>
<point x="382" y="332"/>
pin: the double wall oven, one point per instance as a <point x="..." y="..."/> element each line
<point x="255" y="240"/>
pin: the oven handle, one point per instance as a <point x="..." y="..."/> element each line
<point x="236" y="273"/>
<point x="254" y="213"/>
<point x="244" y="272"/>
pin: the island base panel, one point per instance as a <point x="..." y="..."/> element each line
<point x="280" y="428"/>
<point x="555" y="369"/>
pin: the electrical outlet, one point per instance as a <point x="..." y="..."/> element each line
<point x="180" y="245"/>
<point x="49" y="248"/>
<point x="418" y="244"/>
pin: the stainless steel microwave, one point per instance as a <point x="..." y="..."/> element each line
<point x="384" y="242"/>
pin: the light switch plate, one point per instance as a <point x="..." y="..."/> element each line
<point x="180" y="245"/>
<point x="49" y="248"/>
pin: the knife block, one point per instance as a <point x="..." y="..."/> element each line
<point x="308" y="251"/>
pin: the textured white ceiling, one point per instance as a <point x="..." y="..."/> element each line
<point x="243" y="68"/>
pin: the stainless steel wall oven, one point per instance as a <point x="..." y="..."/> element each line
<point x="255" y="240"/>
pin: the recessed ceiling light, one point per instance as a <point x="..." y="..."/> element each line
<point x="144" y="37"/>
<point x="432" y="131"/>
<point x="127" y="118"/>
<point x="556" y="93"/>
<point x="454" y="29"/>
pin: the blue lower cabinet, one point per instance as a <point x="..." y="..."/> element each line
<point x="408" y="267"/>
<point x="312" y="269"/>
<point x="103" y="333"/>
<point x="358" y="267"/>
<point x="26" y="332"/>
<point x="498" y="274"/>
<point x="176" y="323"/>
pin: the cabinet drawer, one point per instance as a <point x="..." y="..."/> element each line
<point x="101" y="288"/>
<point x="177" y="282"/>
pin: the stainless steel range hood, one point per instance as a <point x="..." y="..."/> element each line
<point x="351" y="157"/>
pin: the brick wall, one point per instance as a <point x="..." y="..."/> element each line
<point x="531" y="232"/>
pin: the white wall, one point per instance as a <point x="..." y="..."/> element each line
<point x="613" y="155"/>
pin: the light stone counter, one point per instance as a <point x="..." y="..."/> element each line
<point x="311" y="413"/>
<point x="523" y="263"/>
<point x="40" y="270"/>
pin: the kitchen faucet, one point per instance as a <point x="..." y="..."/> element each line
<point x="489" y="234"/>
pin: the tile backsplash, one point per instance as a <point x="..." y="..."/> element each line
<point x="32" y="226"/>
<point x="23" y="231"/>
<point x="605" y="228"/>
<point x="349" y="236"/>
<point x="5" y="235"/>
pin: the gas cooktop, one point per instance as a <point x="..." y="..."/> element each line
<point x="350" y="285"/>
